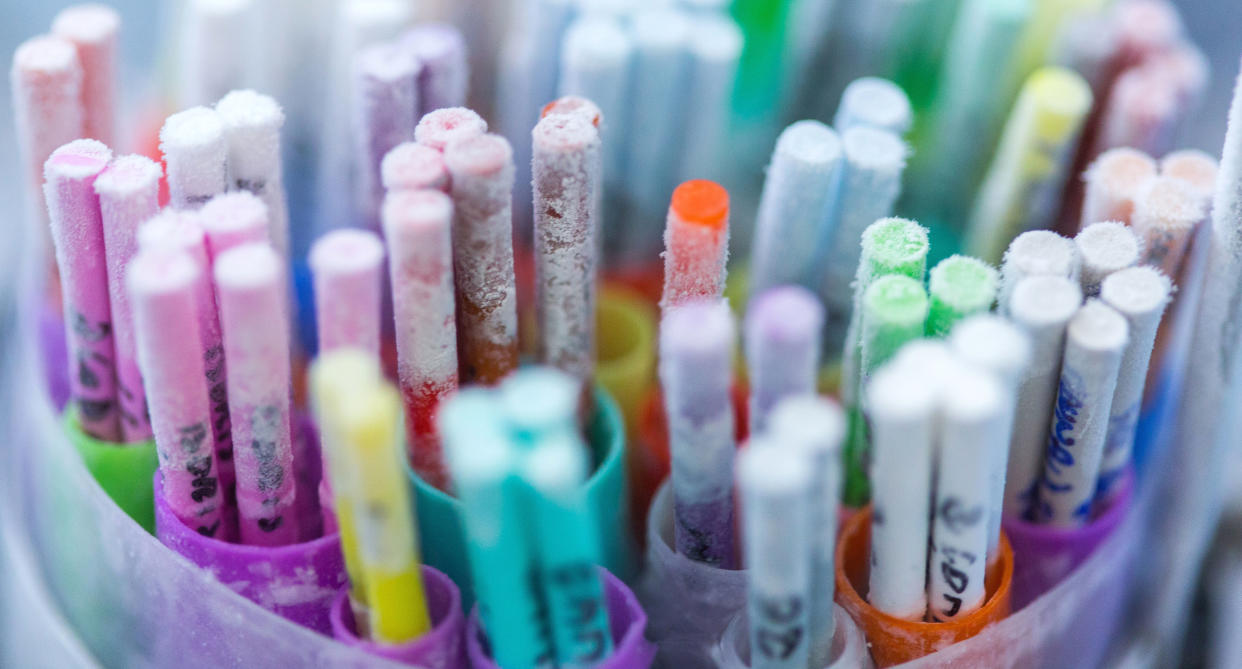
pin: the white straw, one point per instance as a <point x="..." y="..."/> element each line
<point x="1036" y="253"/>
<point x="195" y="154"/>
<point x="874" y="102"/>
<point x="714" y="46"/>
<point x="252" y="125"/>
<point x="1105" y="248"/>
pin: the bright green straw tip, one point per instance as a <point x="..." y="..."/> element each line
<point x="965" y="283"/>
<point x="895" y="243"/>
<point x="896" y="299"/>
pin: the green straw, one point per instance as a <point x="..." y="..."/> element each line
<point x="959" y="286"/>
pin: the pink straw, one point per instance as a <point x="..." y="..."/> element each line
<point x="348" y="268"/>
<point x="412" y="166"/>
<point x="233" y="219"/>
<point x="47" y="108"/>
<point x="93" y="30"/>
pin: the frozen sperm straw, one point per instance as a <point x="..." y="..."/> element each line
<point x="968" y="113"/>
<point x="574" y="105"/>
<point x="696" y="243"/>
<point x="440" y="128"/>
<point x="444" y="76"/>
<point x="78" y="236"/>
<point x="1036" y="253"/>
<point x="46" y="81"/>
<point x="902" y="409"/>
<point x="1105" y="248"/>
<point x="784" y="329"/>
<point x="412" y="166"/>
<point x="1195" y="168"/>
<point x="482" y="174"/>
<point x="776" y="512"/>
<point x="482" y="459"/>
<point x="128" y="192"/>
<point x="182" y="231"/>
<point x="659" y="76"/>
<point x="163" y="286"/>
<point x="195" y="152"/>
<point x="541" y="406"/>
<point x="233" y="219"/>
<point x="418" y="227"/>
<point x="93" y="29"/>
<point x="250" y="288"/>
<point x="595" y="64"/>
<point x="347" y="266"/>
<point x="870" y="184"/>
<point x="1141" y="295"/>
<point x="208" y="70"/>
<point x="998" y="346"/>
<point x="797" y="208"/>
<point x="973" y="430"/>
<point x="1113" y="181"/>
<point x="252" y="126"/>
<point x="1095" y="342"/>
<point x="1024" y="183"/>
<point x="1165" y="216"/>
<point x="714" y="45"/>
<point x="332" y="377"/>
<point x="876" y="103"/>
<point x="959" y="286"/>
<point x="370" y="428"/>
<point x="1042" y="307"/>
<point x="814" y="428"/>
<point x="385" y="111"/>
<point x="696" y="351"/>
<point x="895" y="310"/>
<point x="567" y="189"/>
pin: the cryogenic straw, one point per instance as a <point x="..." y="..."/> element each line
<point x="696" y="352"/>
<point x="46" y="80"/>
<point x="93" y="29"/>
<point x="714" y="46"/>
<point x="1023" y="186"/>
<point x="567" y="543"/>
<point x="418" y="227"/>
<point x="567" y="182"/>
<point x="902" y="409"/>
<point x="196" y="153"/>
<point x="482" y="191"/>
<point x="538" y="403"/>
<point x="659" y="76"/>
<point x="182" y="231"/>
<point x="1140" y="294"/>
<point x="1036" y="253"/>
<point x="164" y="290"/>
<point x="252" y="125"/>
<point x="870" y="184"/>
<point x="696" y="243"/>
<point x="369" y="424"/>
<point x="1142" y="111"/>
<point x="442" y="127"/>
<point x="574" y="105"/>
<point x="796" y="211"/>
<point x="1105" y="248"/>
<point x="250" y="289"/>
<point x="776" y="512"/>
<point x="334" y="376"/>
<point x="1000" y="347"/>
<point x="959" y="286"/>
<point x="1042" y="307"/>
<point x="233" y="219"/>
<point x="347" y="266"/>
<point x="1195" y="168"/>
<point x="483" y="463"/>
<point x="894" y="311"/>
<point x="889" y="246"/>
<point x="78" y="236"/>
<point x="385" y="106"/>
<point x="1165" y="215"/>
<point x="968" y="113"/>
<point x="814" y="427"/>
<point x="411" y="166"/>
<point x="784" y="329"/>
<point x="595" y="64"/>
<point x="1095" y="342"/>
<point x="973" y="431"/>
<point x="206" y="69"/>
<point x="876" y="103"/>
<point x="441" y="50"/>
<point x="128" y="192"/>
<point x="1113" y="182"/>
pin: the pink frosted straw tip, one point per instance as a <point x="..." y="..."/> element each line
<point x="78" y="159"/>
<point x="412" y="166"/>
<point x="87" y="24"/>
<point x="443" y="126"/>
<point x="44" y="59"/>
<point x="232" y="219"/>
<point x="482" y="155"/>
<point x="564" y="133"/>
<point x="172" y="230"/>
<point x="128" y="176"/>
<point x="573" y="105"/>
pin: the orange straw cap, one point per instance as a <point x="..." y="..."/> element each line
<point x="702" y="202"/>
